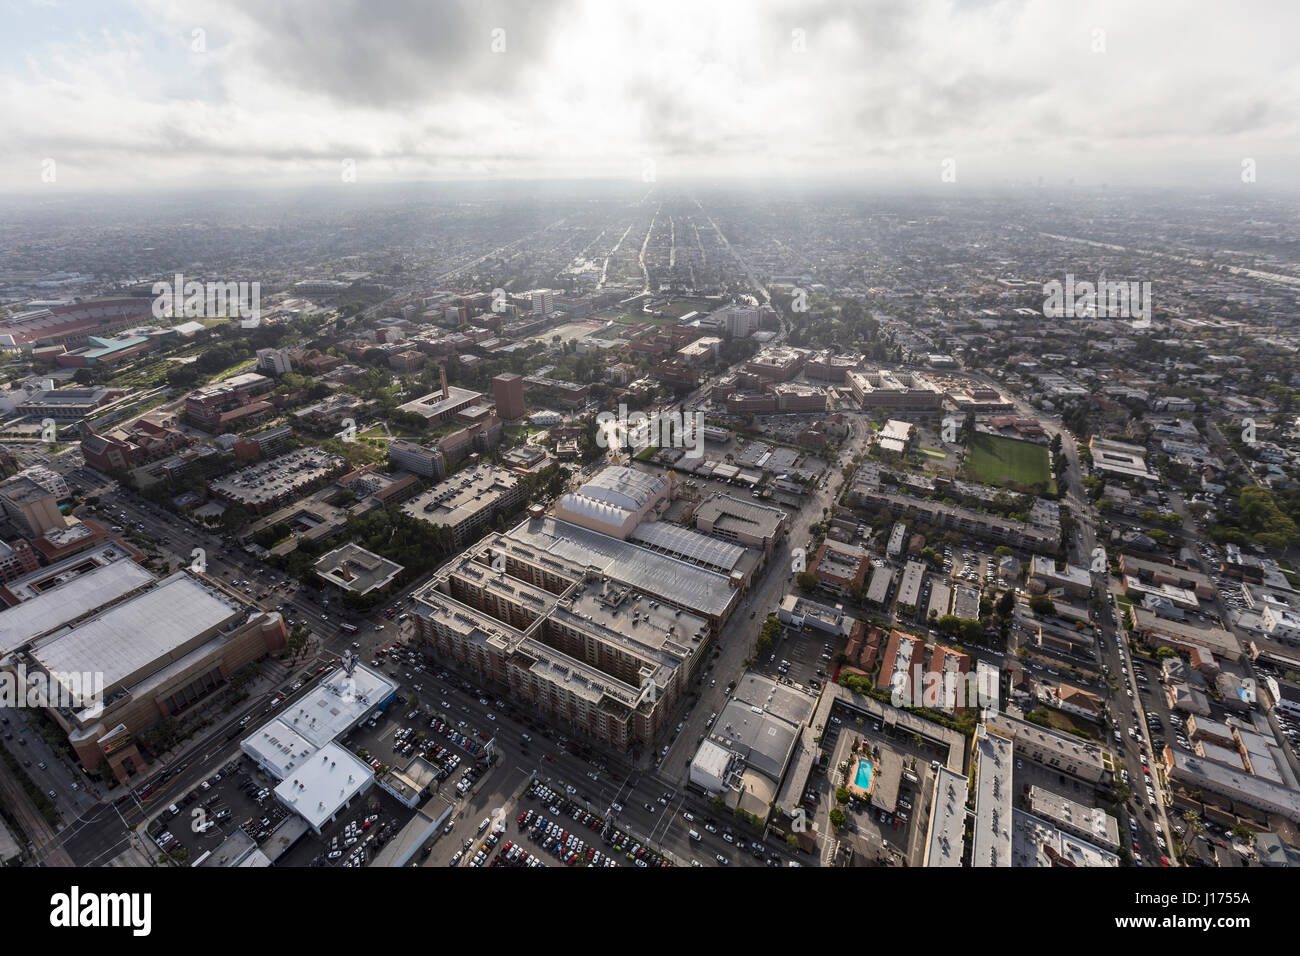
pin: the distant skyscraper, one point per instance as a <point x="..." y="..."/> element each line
<point x="508" y="390"/>
<point x="543" y="302"/>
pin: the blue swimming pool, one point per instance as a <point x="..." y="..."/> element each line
<point x="863" y="776"/>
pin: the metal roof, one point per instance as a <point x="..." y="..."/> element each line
<point x="684" y="584"/>
<point x="688" y="544"/>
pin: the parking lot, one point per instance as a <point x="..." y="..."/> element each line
<point x="806" y="658"/>
<point x="235" y="796"/>
<point x="355" y="836"/>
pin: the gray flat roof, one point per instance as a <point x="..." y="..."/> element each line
<point x="321" y="785"/>
<point x="1233" y="780"/>
<point x="881" y="579"/>
<point x="991" y="836"/>
<point x="741" y="515"/>
<point x="763" y="724"/>
<point x="138" y="634"/>
<point x="1061" y="810"/>
<point x="947" y="840"/>
<point x="336" y="703"/>
<point x="1033" y="838"/>
<point x="909" y="591"/>
<point x="69" y="601"/>
<point x="365" y="571"/>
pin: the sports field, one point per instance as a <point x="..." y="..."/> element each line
<point x="995" y="460"/>
<point x="570" y="330"/>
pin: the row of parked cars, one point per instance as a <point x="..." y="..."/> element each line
<point x="567" y="846"/>
<point x="1290" y="728"/>
<point x="484" y="849"/>
<point x="451" y="760"/>
<point x="512" y="854"/>
<point x="553" y="833"/>
<point x="356" y="840"/>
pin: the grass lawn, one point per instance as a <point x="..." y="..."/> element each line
<point x="995" y="460"/>
<point x="638" y="318"/>
<point x="1067" y="722"/>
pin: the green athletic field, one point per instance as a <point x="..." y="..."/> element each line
<point x="995" y="460"/>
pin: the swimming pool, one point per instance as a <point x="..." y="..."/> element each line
<point x="863" y="776"/>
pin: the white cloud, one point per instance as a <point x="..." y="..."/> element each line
<point x="884" y="91"/>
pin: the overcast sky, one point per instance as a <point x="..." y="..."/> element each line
<point x="150" y="93"/>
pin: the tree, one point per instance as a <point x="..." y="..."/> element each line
<point x="841" y="795"/>
<point x="1042" y="605"/>
<point x="837" y="819"/>
<point x="972" y="631"/>
<point x="1006" y="604"/>
<point x="807" y="581"/>
<point x="234" y="517"/>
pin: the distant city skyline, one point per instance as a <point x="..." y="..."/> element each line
<point x="913" y="94"/>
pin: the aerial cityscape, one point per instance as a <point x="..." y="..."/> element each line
<point x="565" y="505"/>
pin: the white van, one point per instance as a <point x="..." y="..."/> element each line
<point x="694" y="836"/>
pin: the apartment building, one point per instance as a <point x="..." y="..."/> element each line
<point x="580" y="644"/>
<point x="905" y="391"/>
<point x="417" y="459"/>
<point x="218" y="406"/>
<point x="468" y="501"/>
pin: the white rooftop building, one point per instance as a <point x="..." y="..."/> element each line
<point x="325" y="784"/>
<point x="317" y="776"/>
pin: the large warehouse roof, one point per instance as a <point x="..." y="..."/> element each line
<point x="69" y="601"/>
<point x="319" y="787"/>
<point x="624" y="487"/>
<point x="131" y="638"/>
<point x="336" y="703"/>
